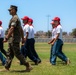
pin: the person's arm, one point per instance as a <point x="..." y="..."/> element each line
<point x="55" y="38"/>
<point x="10" y="31"/>
<point x="22" y="35"/>
<point x="25" y="38"/>
<point x="27" y="33"/>
<point x="51" y="41"/>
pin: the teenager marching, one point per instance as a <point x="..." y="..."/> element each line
<point x="26" y="48"/>
<point x="1" y="39"/>
<point x="32" y="40"/>
<point x="58" y="43"/>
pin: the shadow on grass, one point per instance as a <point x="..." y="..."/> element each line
<point x="19" y="71"/>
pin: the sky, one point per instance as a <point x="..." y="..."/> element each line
<point x="39" y="10"/>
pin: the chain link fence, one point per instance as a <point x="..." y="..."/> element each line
<point x="66" y="40"/>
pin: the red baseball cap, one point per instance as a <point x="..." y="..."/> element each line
<point x="25" y="18"/>
<point x="30" y="20"/>
<point x="56" y="19"/>
<point x="0" y="22"/>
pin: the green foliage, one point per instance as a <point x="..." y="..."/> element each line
<point x="74" y="32"/>
<point x="48" y="34"/>
<point x="64" y="33"/>
<point x="6" y="32"/>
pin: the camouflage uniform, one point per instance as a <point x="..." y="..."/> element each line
<point x="14" y="43"/>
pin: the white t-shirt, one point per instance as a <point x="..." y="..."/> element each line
<point x="26" y="28"/>
<point x="1" y="32"/>
<point x="54" y="33"/>
<point x="59" y="30"/>
<point x="31" y="34"/>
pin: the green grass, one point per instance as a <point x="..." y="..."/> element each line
<point x="45" y="68"/>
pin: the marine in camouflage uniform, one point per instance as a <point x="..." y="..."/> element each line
<point x="14" y="35"/>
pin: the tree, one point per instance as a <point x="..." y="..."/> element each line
<point x="6" y="32"/>
<point x="64" y="33"/>
<point x="48" y="34"/>
<point x="74" y="32"/>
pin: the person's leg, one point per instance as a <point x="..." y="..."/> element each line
<point x="53" y="52"/>
<point x="28" y="51"/>
<point x="24" y="52"/>
<point x="10" y="56"/>
<point x="32" y="45"/>
<point x="2" y="58"/>
<point x="59" y="52"/>
<point x="20" y="57"/>
<point x="1" y="47"/>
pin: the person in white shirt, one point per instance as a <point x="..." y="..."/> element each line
<point x="2" y="58"/>
<point x="52" y="51"/>
<point x="1" y="39"/>
<point x="58" y="43"/>
<point x="26" y="48"/>
<point x="32" y="40"/>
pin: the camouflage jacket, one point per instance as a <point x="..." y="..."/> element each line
<point x="16" y="35"/>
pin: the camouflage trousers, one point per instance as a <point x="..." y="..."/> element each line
<point x="14" y="49"/>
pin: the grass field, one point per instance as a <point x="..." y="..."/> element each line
<point x="45" y="68"/>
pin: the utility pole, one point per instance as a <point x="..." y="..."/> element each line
<point x="48" y="16"/>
